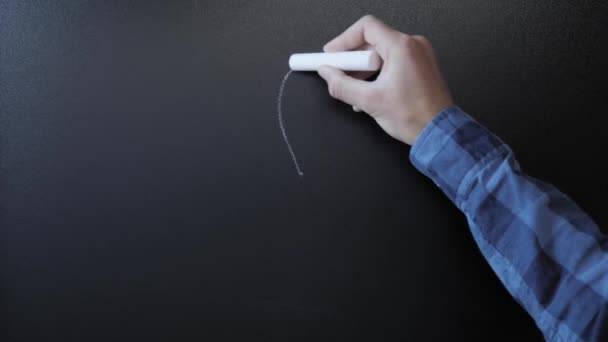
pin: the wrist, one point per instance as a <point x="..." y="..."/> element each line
<point x="415" y="125"/>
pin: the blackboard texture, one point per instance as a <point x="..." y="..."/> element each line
<point x="146" y="192"/>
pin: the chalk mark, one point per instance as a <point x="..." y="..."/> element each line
<point x="282" y="126"/>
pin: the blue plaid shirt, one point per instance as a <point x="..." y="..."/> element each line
<point x="546" y="251"/>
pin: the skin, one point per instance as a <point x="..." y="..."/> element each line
<point x="409" y="91"/>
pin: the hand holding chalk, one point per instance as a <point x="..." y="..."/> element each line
<point x="347" y="61"/>
<point x="407" y="94"/>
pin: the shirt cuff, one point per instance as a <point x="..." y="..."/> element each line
<point x="452" y="149"/>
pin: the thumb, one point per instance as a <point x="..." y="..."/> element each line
<point x="345" y="88"/>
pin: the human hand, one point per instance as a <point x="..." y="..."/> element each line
<point x="409" y="91"/>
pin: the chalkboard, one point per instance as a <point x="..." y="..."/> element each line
<point x="146" y="191"/>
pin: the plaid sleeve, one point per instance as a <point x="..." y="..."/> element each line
<point x="547" y="252"/>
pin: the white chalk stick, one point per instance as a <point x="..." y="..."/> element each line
<point x="347" y="61"/>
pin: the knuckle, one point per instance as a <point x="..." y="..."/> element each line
<point x="406" y="41"/>
<point x="368" y="18"/>
<point x="422" y="39"/>
<point x="407" y="44"/>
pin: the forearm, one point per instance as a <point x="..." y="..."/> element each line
<point x="548" y="253"/>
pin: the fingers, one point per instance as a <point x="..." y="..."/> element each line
<point x="366" y="30"/>
<point x="347" y="89"/>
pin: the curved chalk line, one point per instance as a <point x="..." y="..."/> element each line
<point x="280" y="117"/>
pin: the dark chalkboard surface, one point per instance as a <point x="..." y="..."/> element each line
<point x="146" y="192"/>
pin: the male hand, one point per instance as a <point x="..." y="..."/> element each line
<point x="409" y="91"/>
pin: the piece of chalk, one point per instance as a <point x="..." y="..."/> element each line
<point x="348" y="61"/>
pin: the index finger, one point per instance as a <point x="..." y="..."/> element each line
<point x="366" y="30"/>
